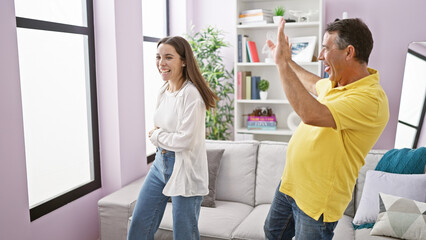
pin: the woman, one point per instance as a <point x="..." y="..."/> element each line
<point x="180" y="167"/>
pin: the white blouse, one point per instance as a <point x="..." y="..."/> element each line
<point x="180" y="117"/>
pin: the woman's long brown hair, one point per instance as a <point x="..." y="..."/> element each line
<point x="191" y="71"/>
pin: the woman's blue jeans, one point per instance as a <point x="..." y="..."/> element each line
<point x="152" y="202"/>
<point x="285" y="220"/>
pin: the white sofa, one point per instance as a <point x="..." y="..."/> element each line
<point x="248" y="176"/>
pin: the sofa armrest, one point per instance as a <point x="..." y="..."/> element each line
<point x="115" y="210"/>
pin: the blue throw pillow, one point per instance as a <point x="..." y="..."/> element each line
<point x="403" y="161"/>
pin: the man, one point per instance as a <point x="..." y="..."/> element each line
<point x="338" y="129"/>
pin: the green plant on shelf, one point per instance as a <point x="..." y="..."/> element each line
<point x="279" y="11"/>
<point x="263" y="85"/>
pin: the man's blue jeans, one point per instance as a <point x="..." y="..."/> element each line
<point x="285" y="220"/>
<point x="152" y="202"/>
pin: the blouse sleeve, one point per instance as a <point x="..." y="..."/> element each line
<point x="183" y="139"/>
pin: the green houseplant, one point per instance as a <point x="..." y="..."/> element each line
<point x="278" y="14"/>
<point x="207" y="45"/>
<point x="263" y="86"/>
<point x="279" y="11"/>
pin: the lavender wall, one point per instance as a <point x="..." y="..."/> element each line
<point x="13" y="184"/>
<point x="120" y="97"/>
<point x="69" y="222"/>
<point x="394" y="25"/>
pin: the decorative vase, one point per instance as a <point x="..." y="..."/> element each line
<point x="277" y="19"/>
<point x="263" y="95"/>
<point x="293" y="121"/>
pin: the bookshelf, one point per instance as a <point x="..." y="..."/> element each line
<point x="277" y="100"/>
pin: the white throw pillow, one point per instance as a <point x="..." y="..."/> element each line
<point x="410" y="186"/>
<point x="400" y="218"/>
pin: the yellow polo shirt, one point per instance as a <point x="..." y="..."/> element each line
<point x="323" y="163"/>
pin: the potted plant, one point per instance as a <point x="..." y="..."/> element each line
<point x="263" y="88"/>
<point x="278" y="14"/>
<point x="207" y="45"/>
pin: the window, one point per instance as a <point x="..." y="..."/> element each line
<point x="152" y="32"/>
<point x="58" y="87"/>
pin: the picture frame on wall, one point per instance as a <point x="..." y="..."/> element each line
<point x="302" y="48"/>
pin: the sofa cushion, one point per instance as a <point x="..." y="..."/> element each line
<point x="214" y="223"/>
<point x="270" y="166"/>
<point x="115" y="210"/>
<point x="214" y="157"/>
<point x="236" y="177"/>
<point x="252" y="226"/>
<point x="371" y="160"/>
<point x="350" y="209"/>
<point x="344" y="229"/>
<point x="400" y="218"/>
<point x="404" y="185"/>
<point x="364" y="234"/>
<point x="403" y="161"/>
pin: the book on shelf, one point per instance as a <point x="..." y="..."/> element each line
<point x="247" y="15"/>
<point x="241" y="84"/>
<point x="261" y="123"/>
<point x="255" y="94"/>
<point x="258" y="10"/>
<point x="255" y="19"/>
<point x="252" y="51"/>
<point x="264" y="128"/>
<point x="248" y="87"/>
<point x="244" y="48"/>
<point x="240" y="48"/>
<point x="271" y="118"/>
<point x="256" y="22"/>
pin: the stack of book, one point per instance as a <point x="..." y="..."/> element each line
<point x="242" y="48"/>
<point x="262" y="122"/>
<point x="247" y="50"/>
<point x="255" y="16"/>
<point x="247" y="85"/>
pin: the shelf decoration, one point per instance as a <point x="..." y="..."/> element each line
<point x="272" y="36"/>
<point x="263" y="88"/>
<point x="262" y="119"/>
<point x="302" y="48"/>
<point x="278" y="14"/>
<point x="255" y="16"/>
<point x="304" y="16"/>
<point x="293" y="121"/>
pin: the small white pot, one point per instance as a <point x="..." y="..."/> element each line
<point x="263" y="95"/>
<point x="277" y="19"/>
